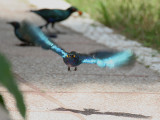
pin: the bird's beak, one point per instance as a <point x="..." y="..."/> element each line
<point x="80" y="13"/>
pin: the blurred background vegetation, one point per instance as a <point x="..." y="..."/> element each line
<point x="7" y="80"/>
<point x="137" y="19"/>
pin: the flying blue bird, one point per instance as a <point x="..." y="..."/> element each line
<point x="74" y="59"/>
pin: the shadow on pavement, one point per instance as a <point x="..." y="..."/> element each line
<point x="93" y="111"/>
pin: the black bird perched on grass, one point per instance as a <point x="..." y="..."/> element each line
<point x="74" y="59"/>
<point x="20" y="33"/>
<point x="55" y="15"/>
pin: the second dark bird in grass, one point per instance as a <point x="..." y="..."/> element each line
<point x="55" y="15"/>
<point x="74" y="59"/>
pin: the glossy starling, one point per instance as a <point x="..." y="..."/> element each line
<point x="74" y="59"/>
<point x="55" y="15"/>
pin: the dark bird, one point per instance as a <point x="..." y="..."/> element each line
<point x="20" y="33"/>
<point x="73" y="59"/>
<point x="55" y="15"/>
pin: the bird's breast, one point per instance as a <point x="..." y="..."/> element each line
<point x="71" y="62"/>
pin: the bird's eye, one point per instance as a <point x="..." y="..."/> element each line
<point x="74" y="56"/>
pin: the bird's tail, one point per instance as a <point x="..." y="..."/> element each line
<point x="124" y="58"/>
<point x="32" y="11"/>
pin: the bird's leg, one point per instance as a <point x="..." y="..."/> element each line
<point x="69" y="69"/>
<point x="45" y="25"/>
<point x="50" y="34"/>
<point x="52" y="25"/>
<point x="75" y="69"/>
<point x="57" y="31"/>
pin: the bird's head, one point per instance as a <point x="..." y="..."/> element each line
<point x="72" y="55"/>
<point x="72" y="59"/>
<point x="74" y="9"/>
<point x="14" y="24"/>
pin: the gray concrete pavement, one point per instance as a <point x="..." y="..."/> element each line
<point x="91" y="93"/>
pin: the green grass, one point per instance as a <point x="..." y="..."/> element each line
<point x="137" y="19"/>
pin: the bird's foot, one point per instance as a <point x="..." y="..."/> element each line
<point x="69" y="69"/>
<point x="25" y="44"/>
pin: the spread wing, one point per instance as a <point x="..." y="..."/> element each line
<point x="109" y="59"/>
<point x="41" y="39"/>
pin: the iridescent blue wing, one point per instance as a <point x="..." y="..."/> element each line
<point x="92" y="58"/>
<point x="103" y="54"/>
<point x="118" y="59"/>
<point x="41" y="39"/>
<point x="114" y="60"/>
<point x="87" y="58"/>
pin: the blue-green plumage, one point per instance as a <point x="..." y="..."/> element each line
<point x="73" y="59"/>
<point x="54" y="15"/>
<point x="39" y="38"/>
<point x="20" y="33"/>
